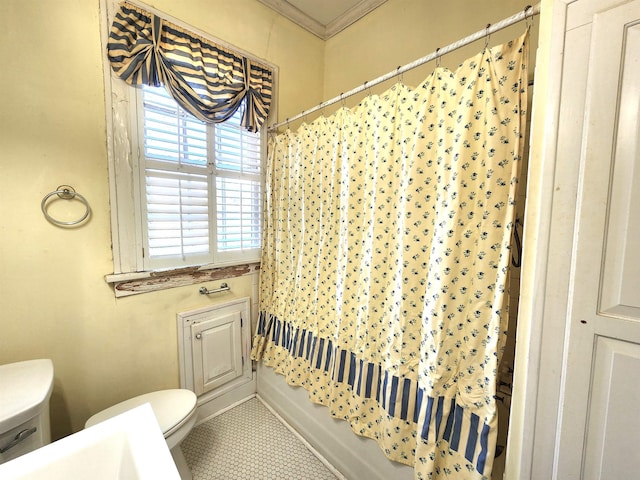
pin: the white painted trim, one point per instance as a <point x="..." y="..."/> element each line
<point x="202" y="420"/>
<point x="351" y="16"/>
<point x="119" y="157"/>
<point x="297" y="16"/>
<point x="310" y="24"/>
<point x="213" y="407"/>
<point x="536" y="382"/>
<point x="125" y="277"/>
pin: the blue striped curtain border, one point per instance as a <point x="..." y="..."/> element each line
<point x="369" y="380"/>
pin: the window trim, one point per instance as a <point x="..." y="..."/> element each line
<point x="126" y="224"/>
<point x="125" y="285"/>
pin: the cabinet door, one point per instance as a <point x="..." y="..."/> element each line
<point x="217" y="351"/>
<point x="599" y="425"/>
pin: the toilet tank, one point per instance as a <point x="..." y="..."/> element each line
<point x="25" y="389"/>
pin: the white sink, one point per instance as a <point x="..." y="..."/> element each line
<point x="128" y="446"/>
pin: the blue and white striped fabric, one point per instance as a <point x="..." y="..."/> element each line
<point x="207" y="80"/>
<point x="441" y="418"/>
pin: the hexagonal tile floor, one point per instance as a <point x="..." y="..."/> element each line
<point x="248" y="442"/>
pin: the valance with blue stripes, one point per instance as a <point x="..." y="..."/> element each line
<point x="206" y="79"/>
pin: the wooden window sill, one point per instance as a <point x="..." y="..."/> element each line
<point x="126" y="284"/>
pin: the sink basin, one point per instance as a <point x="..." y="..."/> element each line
<point x="127" y="446"/>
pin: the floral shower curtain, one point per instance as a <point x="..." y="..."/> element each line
<point x="385" y="263"/>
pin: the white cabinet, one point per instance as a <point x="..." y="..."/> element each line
<point x="214" y="347"/>
<point x="217" y="350"/>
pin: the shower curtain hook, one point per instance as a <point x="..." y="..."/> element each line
<point x="438" y="57"/>
<point x="487" y="36"/>
<point x="368" y="88"/>
<point x="400" y="75"/>
<point x="528" y="16"/>
<point x="342" y="101"/>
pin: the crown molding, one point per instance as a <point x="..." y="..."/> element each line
<point x="325" y="32"/>
<point x="351" y="16"/>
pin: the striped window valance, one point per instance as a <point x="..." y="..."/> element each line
<point x="206" y="79"/>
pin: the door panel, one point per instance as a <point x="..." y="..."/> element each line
<point x="211" y="361"/>
<point x="613" y="434"/>
<point x="620" y="295"/>
<point x="217" y="351"/>
<point x="598" y="421"/>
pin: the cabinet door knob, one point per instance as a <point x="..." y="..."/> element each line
<point x="198" y="336"/>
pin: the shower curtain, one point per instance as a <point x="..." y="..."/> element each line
<point x="384" y="278"/>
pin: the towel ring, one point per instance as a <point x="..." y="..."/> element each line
<point x="66" y="192"/>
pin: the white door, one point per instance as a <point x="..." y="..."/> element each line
<point x="599" y="417"/>
<point x="217" y="350"/>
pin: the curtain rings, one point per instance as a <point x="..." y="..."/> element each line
<point x="487" y="36"/>
<point x="400" y="74"/>
<point x="528" y="16"/>
<point x="342" y="100"/>
<point x="438" y="58"/>
<point x="368" y="88"/>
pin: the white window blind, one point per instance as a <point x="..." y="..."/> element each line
<point x="201" y="194"/>
<point x="238" y="187"/>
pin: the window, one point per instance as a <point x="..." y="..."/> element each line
<point x="200" y="186"/>
<point x="185" y="196"/>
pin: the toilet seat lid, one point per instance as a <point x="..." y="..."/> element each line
<point x="171" y="408"/>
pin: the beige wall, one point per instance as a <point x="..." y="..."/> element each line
<point x="54" y="301"/>
<point x="401" y="31"/>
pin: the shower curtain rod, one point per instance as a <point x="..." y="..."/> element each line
<point x="529" y="11"/>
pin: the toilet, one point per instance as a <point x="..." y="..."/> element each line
<point x="176" y="413"/>
<point x="25" y="390"/>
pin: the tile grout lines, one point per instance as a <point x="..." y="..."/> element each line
<point x="250" y="441"/>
